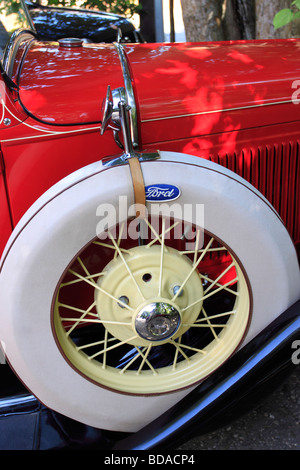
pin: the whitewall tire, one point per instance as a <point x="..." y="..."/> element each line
<point x="112" y="332"/>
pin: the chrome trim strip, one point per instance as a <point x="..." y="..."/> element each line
<point x="129" y="93"/>
<point x="14" y="404"/>
<point x="123" y="159"/>
<point x="216" y="111"/>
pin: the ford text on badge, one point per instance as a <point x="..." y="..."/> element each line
<point x="161" y="192"/>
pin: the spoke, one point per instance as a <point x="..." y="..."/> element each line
<point x="97" y="343"/>
<point x="91" y="277"/>
<point x="144" y="357"/>
<point x="130" y="362"/>
<point x="176" y="354"/>
<point x="102" y="322"/>
<point x="217" y="315"/>
<point x="157" y="236"/>
<point x="104" y="350"/>
<point x="196" y="251"/>
<point x="84" y="313"/>
<point x="207" y="318"/>
<point x="105" y="341"/>
<point x="220" y="277"/>
<point x="207" y="325"/>
<point x="106" y="245"/>
<point x="127" y="267"/>
<point x="193" y="269"/>
<point x="204" y="297"/>
<point x="179" y="349"/>
<point x="96" y="286"/>
<point x="76" y="309"/>
<point x="189" y="252"/>
<point x="188" y="347"/>
<point x="88" y="275"/>
<point x="83" y="266"/>
<point x="218" y="284"/>
<point x="146" y="360"/>
<point x="119" y="239"/>
<point x="162" y="249"/>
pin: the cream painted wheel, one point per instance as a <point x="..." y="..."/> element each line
<point x="154" y="319"/>
<point x="99" y="330"/>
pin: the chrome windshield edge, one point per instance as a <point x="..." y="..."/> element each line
<point x="129" y="93"/>
<point x="11" y="49"/>
<point x="27" y="15"/>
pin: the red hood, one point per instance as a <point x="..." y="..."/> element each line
<point x="63" y="86"/>
<point x="207" y="86"/>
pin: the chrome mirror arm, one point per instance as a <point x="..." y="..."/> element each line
<point x="125" y="127"/>
<point x="115" y="115"/>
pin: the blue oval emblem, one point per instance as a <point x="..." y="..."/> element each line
<point x="161" y="192"/>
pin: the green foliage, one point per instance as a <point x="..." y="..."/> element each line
<point x="9" y="6"/>
<point x="121" y="7"/>
<point x="287" y="15"/>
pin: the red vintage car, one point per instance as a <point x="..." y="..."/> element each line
<point x="150" y="217"/>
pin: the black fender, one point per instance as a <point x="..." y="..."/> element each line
<point x="250" y="373"/>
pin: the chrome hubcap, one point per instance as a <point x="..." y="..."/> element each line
<point x="157" y="321"/>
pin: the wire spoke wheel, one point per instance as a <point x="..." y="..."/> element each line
<point x="112" y="326"/>
<point x="151" y="317"/>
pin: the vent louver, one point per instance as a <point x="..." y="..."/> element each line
<point x="275" y="172"/>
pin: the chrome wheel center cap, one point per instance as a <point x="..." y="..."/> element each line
<point x="157" y="321"/>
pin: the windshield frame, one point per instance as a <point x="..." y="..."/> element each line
<point x="27" y="14"/>
<point x="16" y="38"/>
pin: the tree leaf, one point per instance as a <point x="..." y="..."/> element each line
<point x="296" y="3"/>
<point x="282" y="18"/>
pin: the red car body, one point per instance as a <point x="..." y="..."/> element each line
<point x="190" y="98"/>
